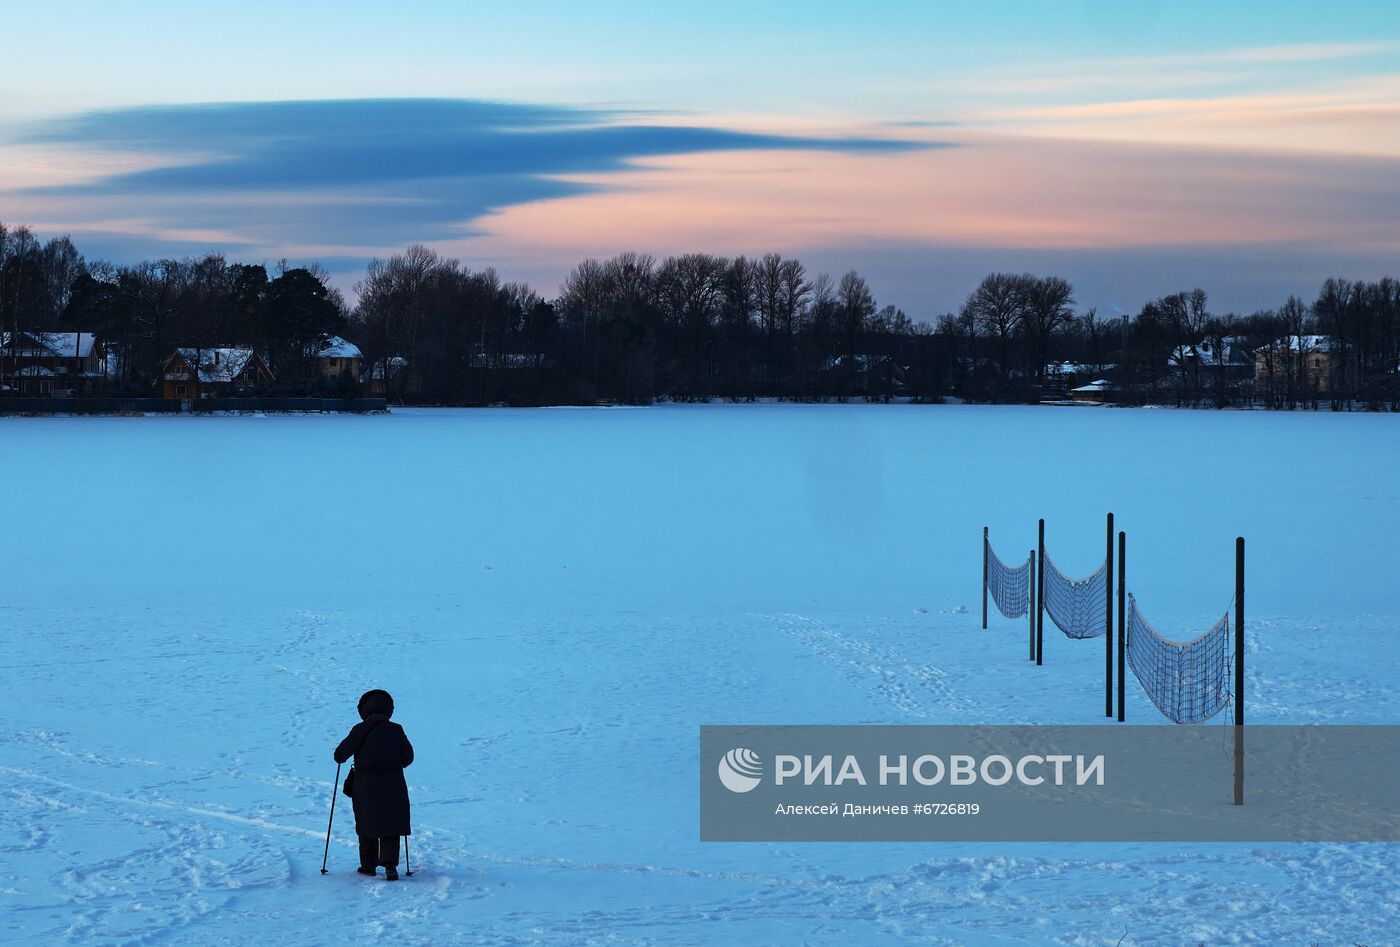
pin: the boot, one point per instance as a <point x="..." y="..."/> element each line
<point x="366" y="871"/>
<point x="391" y="873"/>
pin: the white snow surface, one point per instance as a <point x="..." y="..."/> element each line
<point x="558" y="599"/>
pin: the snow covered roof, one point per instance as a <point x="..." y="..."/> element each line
<point x="1204" y="353"/>
<point x="51" y="344"/>
<point x="1305" y="343"/>
<point x="1101" y="384"/>
<point x="397" y="363"/>
<point x="35" y="371"/>
<point x="333" y="346"/>
<point x="1071" y="368"/>
<point x="860" y="362"/>
<point x="217" y="364"/>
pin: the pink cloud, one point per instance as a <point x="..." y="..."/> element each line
<point x="1001" y="191"/>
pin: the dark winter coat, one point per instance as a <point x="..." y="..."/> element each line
<point x="381" y="794"/>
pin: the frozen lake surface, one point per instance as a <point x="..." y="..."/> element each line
<point x="559" y="598"/>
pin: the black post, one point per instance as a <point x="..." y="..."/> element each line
<point x="1030" y="611"/>
<point x="407" y="863"/>
<point x="1122" y="618"/>
<point x="1239" y="671"/>
<point x="1040" y="603"/>
<point x="984" y="577"/>
<point x="1108" y="625"/>
<point x="334" y="786"/>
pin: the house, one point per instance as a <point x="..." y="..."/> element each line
<point x="1229" y="358"/>
<point x="191" y="373"/>
<point x="1304" y="361"/>
<point x="390" y="376"/>
<point x="1065" y="375"/>
<point x="1096" y="392"/>
<point x="336" y="357"/>
<point x="37" y="380"/>
<point x="869" y="372"/>
<point x="47" y="363"/>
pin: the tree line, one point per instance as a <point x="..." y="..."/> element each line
<point x="636" y="328"/>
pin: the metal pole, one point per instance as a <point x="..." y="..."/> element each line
<point x="407" y="863"/>
<point x="1040" y="603"/>
<point x="1239" y="671"/>
<point x="1122" y="617"/>
<point x="1108" y="625"/>
<point x="984" y="577"/>
<point x="1030" y="612"/>
<point x="334" y="786"/>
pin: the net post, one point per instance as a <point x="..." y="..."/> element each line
<point x="1239" y="671"/>
<point x="1122" y="617"/>
<point x="984" y="578"/>
<point x="1030" y="612"/>
<point x="1108" y="625"/>
<point x="1040" y="601"/>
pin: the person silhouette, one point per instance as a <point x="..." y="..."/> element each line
<point x="380" y="793"/>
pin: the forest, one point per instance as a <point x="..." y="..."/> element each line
<point x="636" y="329"/>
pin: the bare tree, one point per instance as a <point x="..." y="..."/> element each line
<point x="1094" y="330"/>
<point x="770" y="290"/>
<point x="740" y="301"/>
<point x="689" y="290"/>
<point x="997" y="306"/>
<point x="797" y="294"/>
<point x="1047" y="310"/>
<point x="857" y="304"/>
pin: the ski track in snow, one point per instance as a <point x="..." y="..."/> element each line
<point x="914" y="690"/>
<point x="166" y="773"/>
<point x="178" y="870"/>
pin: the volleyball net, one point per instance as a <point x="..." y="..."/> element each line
<point x="1076" y="606"/>
<point x="1188" y="681"/>
<point x="1009" y="586"/>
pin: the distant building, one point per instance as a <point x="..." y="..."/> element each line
<point x="191" y="373"/>
<point x="390" y="376"/>
<point x="48" y="363"/>
<point x="1096" y="392"/>
<point x="1063" y="376"/>
<point x="1060" y="369"/>
<point x="869" y="372"/>
<point x="337" y="357"/>
<point x="1230" y="359"/>
<point x="1298" y="363"/>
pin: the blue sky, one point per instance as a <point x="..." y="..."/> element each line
<point x="882" y="59"/>
<point x="538" y="133"/>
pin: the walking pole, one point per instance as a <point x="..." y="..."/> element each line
<point x="334" y="786"/>
<point x="407" y="864"/>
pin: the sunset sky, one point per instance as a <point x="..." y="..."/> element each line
<point x="1252" y="148"/>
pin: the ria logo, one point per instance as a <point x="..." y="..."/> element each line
<point x="740" y="769"/>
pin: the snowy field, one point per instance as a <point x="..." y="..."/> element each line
<point x="558" y="599"/>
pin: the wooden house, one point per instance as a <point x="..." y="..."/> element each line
<point x="191" y="373"/>
<point x="1302" y="363"/>
<point x="336" y="357"/>
<point x="49" y="363"/>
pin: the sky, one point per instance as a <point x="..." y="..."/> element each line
<point x="1250" y="148"/>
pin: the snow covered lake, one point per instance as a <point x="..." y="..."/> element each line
<point x="558" y="599"/>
